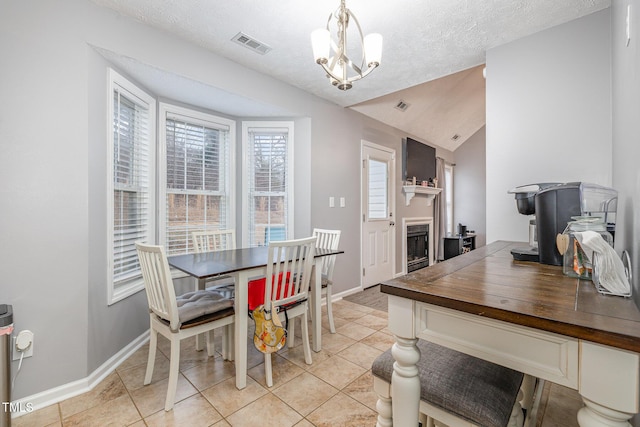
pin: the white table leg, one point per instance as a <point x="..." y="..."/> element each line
<point x="241" y="327"/>
<point x="594" y="415"/>
<point x="316" y="299"/>
<point x="200" y="339"/>
<point x="609" y="386"/>
<point x="405" y="382"/>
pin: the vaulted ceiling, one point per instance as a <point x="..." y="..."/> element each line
<point x="432" y="61"/>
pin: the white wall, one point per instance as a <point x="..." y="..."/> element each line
<point x="548" y="115"/>
<point x="626" y="133"/>
<point x="469" y="176"/>
<point x="44" y="173"/>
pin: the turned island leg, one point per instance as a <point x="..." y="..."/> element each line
<point x="405" y="382"/>
<point x="609" y="386"/>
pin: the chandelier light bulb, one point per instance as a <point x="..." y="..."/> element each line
<point x="373" y="49"/>
<point x="321" y="44"/>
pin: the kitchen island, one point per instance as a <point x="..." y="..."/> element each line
<point x="523" y="315"/>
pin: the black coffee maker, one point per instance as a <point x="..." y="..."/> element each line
<point x="525" y="202"/>
<point x="558" y="205"/>
<point x="554" y="206"/>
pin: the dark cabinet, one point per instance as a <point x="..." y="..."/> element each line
<point x="455" y="244"/>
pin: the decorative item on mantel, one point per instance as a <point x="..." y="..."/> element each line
<point x="412" y="190"/>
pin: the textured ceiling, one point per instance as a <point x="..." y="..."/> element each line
<point x="423" y="41"/>
<point x="444" y="112"/>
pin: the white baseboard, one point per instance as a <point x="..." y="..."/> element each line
<point x="339" y="296"/>
<point x="75" y="388"/>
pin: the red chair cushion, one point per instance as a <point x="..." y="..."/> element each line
<point x="257" y="288"/>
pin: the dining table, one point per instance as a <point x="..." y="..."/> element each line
<point x="523" y="315"/>
<point x="243" y="265"/>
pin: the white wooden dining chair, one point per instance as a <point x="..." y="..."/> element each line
<point x="177" y="318"/>
<point x="212" y="241"/>
<point x="287" y="288"/>
<point x="327" y="239"/>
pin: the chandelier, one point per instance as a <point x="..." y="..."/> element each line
<point x="340" y="69"/>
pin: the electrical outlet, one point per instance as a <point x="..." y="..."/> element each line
<point x="23" y="344"/>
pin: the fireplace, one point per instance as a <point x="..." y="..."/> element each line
<point x="417" y="247"/>
<point x="417" y="243"/>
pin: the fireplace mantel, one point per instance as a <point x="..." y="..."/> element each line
<point x="411" y="190"/>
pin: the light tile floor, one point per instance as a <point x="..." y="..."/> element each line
<point x="336" y="390"/>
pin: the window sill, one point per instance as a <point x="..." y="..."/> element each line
<point x="124" y="292"/>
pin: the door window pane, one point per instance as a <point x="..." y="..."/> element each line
<point x="377" y="202"/>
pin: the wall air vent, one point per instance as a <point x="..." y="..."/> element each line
<point x="251" y="43"/>
<point x="402" y="106"/>
<point x="455" y="137"/>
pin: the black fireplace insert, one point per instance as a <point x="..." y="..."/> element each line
<point x="417" y="247"/>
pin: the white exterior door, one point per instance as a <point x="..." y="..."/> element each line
<point x="378" y="220"/>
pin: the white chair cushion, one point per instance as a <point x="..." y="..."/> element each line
<point x="200" y="303"/>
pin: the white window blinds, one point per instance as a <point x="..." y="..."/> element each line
<point x="269" y="189"/>
<point x="378" y="181"/>
<point x="448" y="178"/>
<point x="132" y="213"/>
<point x="197" y="178"/>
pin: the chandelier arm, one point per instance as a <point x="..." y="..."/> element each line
<point x="369" y="70"/>
<point x="340" y="78"/>
<point x="352" y="16"/>
<point x="350" y="79"/>
<point x="330" y="72"/>
<point x="351" y="64"/>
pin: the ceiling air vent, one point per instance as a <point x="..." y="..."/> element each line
<point x="402" y="106"/>
<point x="251" y="43"/>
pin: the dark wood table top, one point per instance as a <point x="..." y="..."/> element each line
<point x="488" y="282"/>
<point x="211" y="264"/>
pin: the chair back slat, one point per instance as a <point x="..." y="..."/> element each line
<point x="158" y="283"/>
<point x="327" y="239"/>
<point x="213" y="240"/>
<point x="289" y="271"/>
